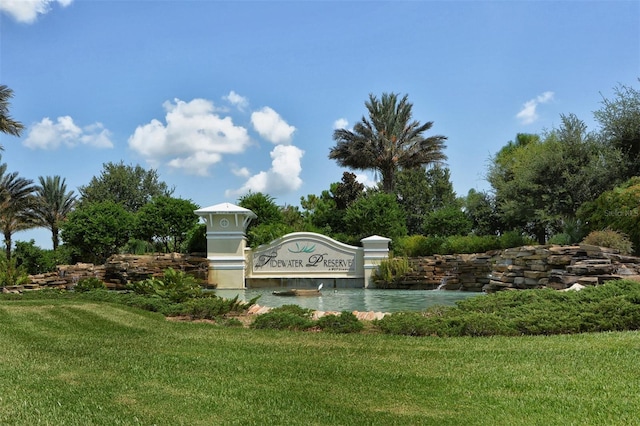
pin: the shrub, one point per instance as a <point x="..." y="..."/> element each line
<point x="174" y="285"/>
<point x="610" y="239"/>
<point x="11" y="274"/>
<point x="346" y="322"/>
<point x="210" y="307"/>
<point x="514" y="239"/>
<point x="281" y="321"/>
<point x="88" y="284"/>
<point x="418" y="245"/>
<point x="392" y="269"/>
<point x="470" y="244"/>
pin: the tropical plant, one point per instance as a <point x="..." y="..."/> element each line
<point x="53" y="204"/>
<point x="7" y="124"/>
<point x="11" y="273"/>
<point x="174" y="285"/>
<point x="388" y="141"/>
<point x="16" y="205"/>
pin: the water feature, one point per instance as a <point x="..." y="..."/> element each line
<point x="356" y="299"/>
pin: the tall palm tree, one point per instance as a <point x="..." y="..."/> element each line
<point x="7" y="124"/>
<point x="16" y="205"/>
<point x="53" y="204"/>
<point x="387" y="141"/>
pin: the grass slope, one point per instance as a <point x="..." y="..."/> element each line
<point x="71" y="362"/>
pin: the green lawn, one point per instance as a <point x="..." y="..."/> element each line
<point x="79" y="363"/>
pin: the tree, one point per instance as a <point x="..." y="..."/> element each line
<point x="446" y="221"/>
<point x="618" y="210"/>
<point x="53" y="204"/>
<point x="97" y="230"/>
<point x="481" y="211"/>
<point x="167" y="220"/>
<point x="375" y="213"/>
<point x="539" y="183"/>
<point x="16" y="204"/>
<point x="421" y="191"/>
<point x="130" y="186"/>
<point x="388" y="141"/>
<point x="268" y="225"/>
<point x="347" y="191"/>
<point x="7" y="124"/>
<point x="620" y="121"/>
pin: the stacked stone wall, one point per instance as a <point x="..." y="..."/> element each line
<point x="527" y="267"/>
<point x="118" y="271"/>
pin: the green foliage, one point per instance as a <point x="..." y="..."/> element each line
<point x="175" y="285"/>
<point x="447" y="221"/>
<point x="197" y="239"/>
<point x="614" y="306"/>
<point x="420" y="245"/>
<point x="392" y="269"/>
<point x="539" y="182"/>
<point x="166" y="220"/>
<point x="470" y="244"/>
<point x="129" y="186"/>
<point x="286" y="317"/>
<point x="281" y="321"/>
<point x="617" y="209"/>
<point x="53" y="204"/>
<point x="38" y="261"/>
<point x="88" y="284"/>
<point x="619" y="118"/>
<point x="611" y="239"/>
<point x="346" y="322"/>
<point x="266" y="232"/>
<point x="388" y="141"/>
<point x="11" y="273"/>
<point x="209" y="307"/>
<point x="98" y="230"/>
<point x="421" y="191"/>
<point x="480" y="208"/>
<point x="376" y="213"/>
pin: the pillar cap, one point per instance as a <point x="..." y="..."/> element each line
<point x="226" y="208"/>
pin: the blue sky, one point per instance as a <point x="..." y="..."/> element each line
<point x="223" y="97"/>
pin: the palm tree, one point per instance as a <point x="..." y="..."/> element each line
<point x="16" y="205"/>
<point x="53" y="204"/>
<point x="387" y="141"/>
<point x="7" y="124"/>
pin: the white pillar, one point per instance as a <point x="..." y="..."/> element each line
<point x="376" y="249"/>
<point x="226" y="243"/>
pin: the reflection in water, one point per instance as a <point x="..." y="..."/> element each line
<point x="352" y="299"/>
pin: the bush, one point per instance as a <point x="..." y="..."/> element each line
<point x="514" y="239"/>
<point x="346" y="322"/>
<point x="610" y="239"/>
<point x="210" y="307"/>
<point x="174" y="285"/>
<point x="470" y="244"/>
<point x="11" y="274"/>
<point x="281" y="321"/>
<point x="418" y="245"/>
<point x="392" y="269"/>
<point x="88" y="284"/>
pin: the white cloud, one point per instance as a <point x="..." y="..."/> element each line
<point x="194" y="137"/>
<point x="281" y="178"/>
<point x="367" y="180"/>
<point x="241" y="172"/>
<point x="340" y="123"/>
<point x="27" y="11"/>
<point x="528" y="114"/>
<point x="49" y="135"/>
<point x="271" y="126"/>
<point x="238" y="101"/>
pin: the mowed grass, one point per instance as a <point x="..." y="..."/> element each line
<point x="80" y="363"/>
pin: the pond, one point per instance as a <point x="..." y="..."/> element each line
<point x="356" y="299"/>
